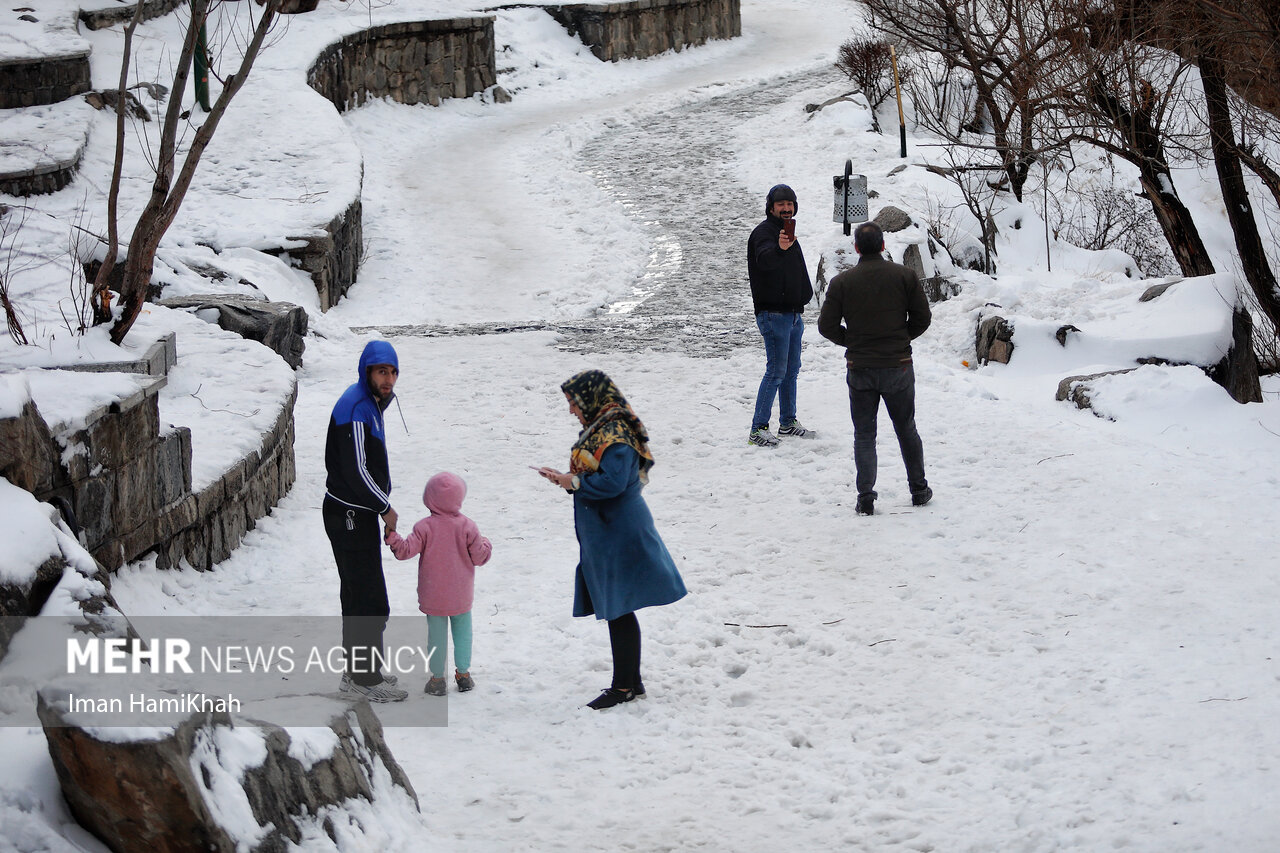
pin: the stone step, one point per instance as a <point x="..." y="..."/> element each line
<point x="41" y="146"/>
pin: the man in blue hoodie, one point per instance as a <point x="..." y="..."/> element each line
<point x="357" y="493"/>
<point x="780" y="288"/>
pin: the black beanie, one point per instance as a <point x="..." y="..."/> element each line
<point x="780" y="192"/>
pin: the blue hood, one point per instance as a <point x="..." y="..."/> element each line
<point x="376" y="352"/>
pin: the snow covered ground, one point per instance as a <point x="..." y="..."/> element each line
<point x="1071" y="648"/>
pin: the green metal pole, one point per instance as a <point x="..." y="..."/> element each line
<point x="202" y="69"/>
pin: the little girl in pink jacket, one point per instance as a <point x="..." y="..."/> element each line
<point x="450" y="547"/>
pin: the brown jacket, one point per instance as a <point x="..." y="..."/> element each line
<point x="874" y="311"/>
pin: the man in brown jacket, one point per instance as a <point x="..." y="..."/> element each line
<point x="874" y="311"/>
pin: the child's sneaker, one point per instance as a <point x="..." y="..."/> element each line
<point x="761" y="437"/>
<point x="436" y="687"/>
<point x="464" y="680"/>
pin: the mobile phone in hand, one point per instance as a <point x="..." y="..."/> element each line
<point x="789" y="228"/>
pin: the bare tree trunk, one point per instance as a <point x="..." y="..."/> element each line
<point x="1235" y="196"/>
<point x="1175" y="221"/>
<point x="167" y="193"/>
<point x="101" y="299"/>
<point x="1144" y="148"/>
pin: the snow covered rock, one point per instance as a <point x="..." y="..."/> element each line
<point x="892" y="219"/>
<point x="211" y="783"/>
<point x="281" y="326"/>
<point x="993" y="340"/>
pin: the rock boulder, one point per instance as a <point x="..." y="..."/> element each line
<point x="195" y="786"/>
<point x="281" y="326"/>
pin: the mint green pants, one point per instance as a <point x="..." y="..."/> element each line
<point x="438" y="642"/>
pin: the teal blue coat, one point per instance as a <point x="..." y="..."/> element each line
<point x="623" y="565"/>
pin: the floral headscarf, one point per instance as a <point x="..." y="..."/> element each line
<point x="610" y="420"/>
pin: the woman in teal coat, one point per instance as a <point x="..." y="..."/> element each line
<point x="623" y="565"/>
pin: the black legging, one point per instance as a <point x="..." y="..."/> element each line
<point x="624" y="638"/>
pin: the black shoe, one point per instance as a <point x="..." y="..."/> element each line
<point x="922" y="498"/>
<point x="610" y="697"/>
<point x="638" y="692"/>
<point x="866" y="506"/>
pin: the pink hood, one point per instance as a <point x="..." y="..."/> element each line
<point x="444" y="494"/>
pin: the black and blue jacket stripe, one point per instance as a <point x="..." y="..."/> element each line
<point x="355" y="450"/>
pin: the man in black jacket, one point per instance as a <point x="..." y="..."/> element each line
<point x="780" y="288"/>
<point x="875" y="311"/>
<point x="357" y="494"/>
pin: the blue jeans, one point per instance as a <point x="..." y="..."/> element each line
<point x="897" y="387"/>
<point x="782" y="331"/>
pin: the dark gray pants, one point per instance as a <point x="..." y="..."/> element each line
<point x="897" y="387"/>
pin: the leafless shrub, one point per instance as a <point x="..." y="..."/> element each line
<point x="1101" y="215"/>
<point x="11" y="223"/>
<point x="77" y="307"/>
<point x="869" y="64"/>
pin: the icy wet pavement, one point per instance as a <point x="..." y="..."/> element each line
<point x="670" y="171"/>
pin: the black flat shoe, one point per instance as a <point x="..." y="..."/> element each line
<point x="638" y="692"/>
<point x="610" y="697"/>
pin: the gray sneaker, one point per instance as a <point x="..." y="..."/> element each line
<point x="347" y="683"/>
<point x="383" y="692"/>
<point x="794" y="430"/>
<point x="761" y="437"/>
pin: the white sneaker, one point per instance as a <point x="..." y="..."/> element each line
<point x="761" y="437"/>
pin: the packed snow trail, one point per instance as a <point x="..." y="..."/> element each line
<point x="498" y="211"/>
<point x="672" y="172"/>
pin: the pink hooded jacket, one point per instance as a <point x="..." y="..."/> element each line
<point x="450" y="546"/>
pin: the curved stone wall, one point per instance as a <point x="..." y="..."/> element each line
<point x="332" y="260"/>
<point x="40" y="181"/>
<point x="99" y="19"/>
<point x="128" y="483"/>
<point x="204" y="528"/>
<point x="641" y="28"/>
<point x="418" y="62"/>
<point x="48" y="80"/>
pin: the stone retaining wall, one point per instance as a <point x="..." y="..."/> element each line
<point x="40" y="181"/>
<point x="100" y="19"/>
<point x="129" y="483"/>
<point x="204" y="528"/>
<point x="31" y="82"/>
<point x="413" y="63"/>
<point x="643" y="28"/>
<point x="333" y="260"/>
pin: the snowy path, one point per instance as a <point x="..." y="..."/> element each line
<point x="671" y="171"/>
<point x="1072" y="648"/>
